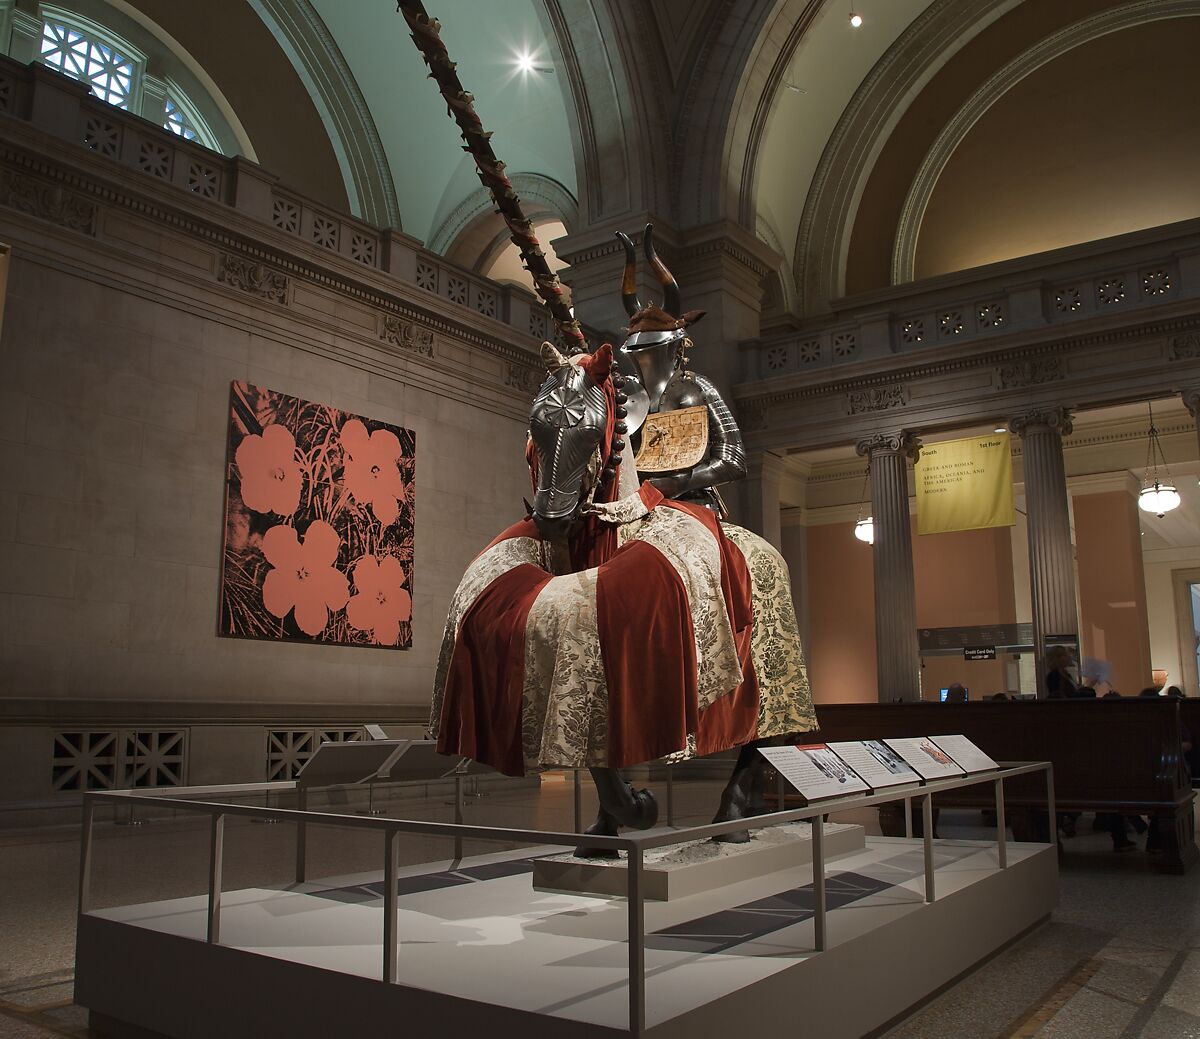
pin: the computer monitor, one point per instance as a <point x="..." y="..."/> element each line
<point x="943" y="692"/>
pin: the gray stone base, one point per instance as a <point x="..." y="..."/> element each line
<point x="699" y="866"/>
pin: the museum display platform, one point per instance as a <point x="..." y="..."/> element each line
<point x="482" y="951"/>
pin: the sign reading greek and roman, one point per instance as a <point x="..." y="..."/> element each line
<point x="965" y="485"/>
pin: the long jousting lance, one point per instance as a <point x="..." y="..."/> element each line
<point x="426" y="34"/>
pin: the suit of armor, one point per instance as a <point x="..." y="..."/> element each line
<point x="654" y="357"/>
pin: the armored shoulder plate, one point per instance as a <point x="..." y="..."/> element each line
<point x="683" y="391"/>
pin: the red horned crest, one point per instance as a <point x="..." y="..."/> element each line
<point x="599" y="364"/>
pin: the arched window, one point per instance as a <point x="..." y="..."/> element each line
<point x="105" y="66"/>
<point x="125" y="64"/>
<point x="116" y="71"/>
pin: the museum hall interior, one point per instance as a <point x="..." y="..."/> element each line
<point x="596" y="518"/>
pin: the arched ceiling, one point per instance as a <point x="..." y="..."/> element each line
<point x="1098" y="142"/>
<point x="829" y="65"/>
<point x="526" y="111"/>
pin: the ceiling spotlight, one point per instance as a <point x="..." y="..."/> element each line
<point x="526" y="63"/>
<point x="856" y="20"/>
<point x="1000" y="429"/>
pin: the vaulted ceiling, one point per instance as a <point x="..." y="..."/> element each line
<point x="859" y="156"/>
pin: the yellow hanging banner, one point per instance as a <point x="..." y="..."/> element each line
<point x="965" y="485"/>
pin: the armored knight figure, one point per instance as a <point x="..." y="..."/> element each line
<point x="685" y="437"/>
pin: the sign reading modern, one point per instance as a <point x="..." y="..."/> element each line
<point x="965" y="485"/>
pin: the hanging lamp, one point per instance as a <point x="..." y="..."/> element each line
<point x="864" y="527"/>
<point x="1158" y="494"/>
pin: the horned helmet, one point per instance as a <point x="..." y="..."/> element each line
<point x="657" y="336"/>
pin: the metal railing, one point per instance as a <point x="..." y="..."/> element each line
<point x="634" y="845"/>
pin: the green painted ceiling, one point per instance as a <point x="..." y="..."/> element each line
<point x="526" y="111"/>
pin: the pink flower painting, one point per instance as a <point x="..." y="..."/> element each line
<point x="303" y="577"/>
<point x="380" y="603"/>
<point x="316" y="499"/>
<point x="269" y="471"/>
<point x="373" y="469"/>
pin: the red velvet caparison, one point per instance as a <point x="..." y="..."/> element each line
<point x="647" y="645"/>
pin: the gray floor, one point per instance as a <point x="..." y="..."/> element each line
<point x="1120" y="959"/>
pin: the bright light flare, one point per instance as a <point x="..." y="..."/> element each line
<point x="525" y="62"/>
<point x="856" y="20"/>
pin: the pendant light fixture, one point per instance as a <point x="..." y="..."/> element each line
<point x="1158" y="494"/>
<point x="864" y="527"/>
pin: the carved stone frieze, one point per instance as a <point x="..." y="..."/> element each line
<point x="523" y="377"/>
<point x="1191" y="400"/>
<point x="1020" y="374"/>
<point x="47" y="202"/>
<point x="255" y="278"/>
<point x="407" y="335"/>
<point x="1054" y="417"/>
<point x="893" y="442"/>
<point x="1185" y="347"/>
<point x="752" y="415"/>
<point x="876" y="398"/>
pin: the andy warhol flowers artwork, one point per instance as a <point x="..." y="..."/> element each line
<point x="318" y="524"/>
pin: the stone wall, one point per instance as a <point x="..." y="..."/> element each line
<point x="131" y="306"/>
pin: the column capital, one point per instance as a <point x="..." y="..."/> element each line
<point x="1190" y="395"/>
<point x="897" y="442"/>
<point x="1057" y="417"/>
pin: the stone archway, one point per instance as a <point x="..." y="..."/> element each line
<point x="319" y="63"/>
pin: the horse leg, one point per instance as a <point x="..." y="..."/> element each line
<point x="744" y="794"/>
<point x="620" y="805"/>
<point x="736" y="797"/>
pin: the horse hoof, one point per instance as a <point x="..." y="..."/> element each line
<point x="737" y="837"/>
<point x="647" y="810"/>
<point x="584" y="852"/>
<point x="604" y="826"/>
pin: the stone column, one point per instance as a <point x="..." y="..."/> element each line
<point x="25" y="42"/>
<point x="154" y="96"/>
<point x="760" y="495"/>
<point x="1048" y="519"/>
<point x="897" y="663"/>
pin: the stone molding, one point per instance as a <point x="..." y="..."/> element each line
<point x="252" y="258"/>
<point x="110" y="155"/>
<point x="955" y="131"/>
<point x="972" y="347"/>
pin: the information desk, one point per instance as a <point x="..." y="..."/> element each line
<point x="195" y="985"/>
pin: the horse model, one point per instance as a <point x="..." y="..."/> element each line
<point x="617" y="625"/>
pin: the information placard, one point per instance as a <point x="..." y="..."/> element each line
<point x="966" y="755"/>
<point x="927" y="759"/>
<point x="815" y="771"/>
<point x="876" y="764"/>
